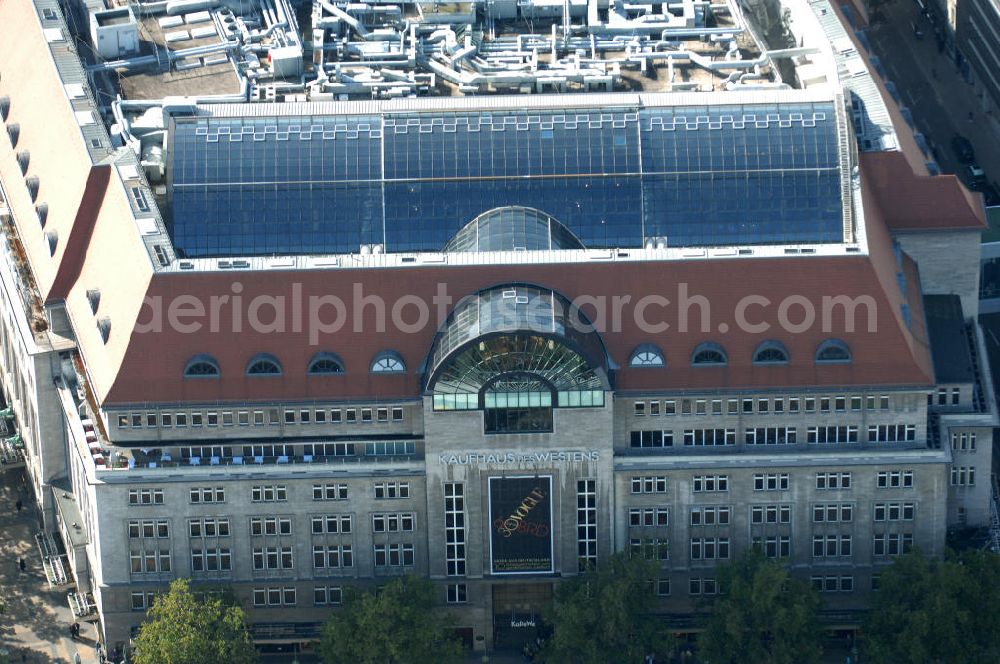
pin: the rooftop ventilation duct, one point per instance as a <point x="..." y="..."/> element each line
<point x="23" y="159"/>
<point x="4" y="107"/>
<point x="42" y="210"/>
<point x="31" y="182"/>
<point x="13" y="132"/>
<point x="94" y="297"/>
<point x="52" y="240"/>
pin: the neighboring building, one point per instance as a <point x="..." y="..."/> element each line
<point x="976" y="25"/>
<point x="295" y="335"/>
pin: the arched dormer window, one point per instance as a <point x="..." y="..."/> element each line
<point x="202" y="366"/>
<point x="388" y="361"/>
<point x="325" y="364"/>
<point x="833" y="351"/>
<point x="709" y="354"/>
<point x="771" y="352"/>
<point x="263" y="364"/>
<point x="647" y="355"/>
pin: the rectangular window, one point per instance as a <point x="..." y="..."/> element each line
<point x="393" y="555"/>
<point x="145" y="496"/>
<point x="329" y="492"/>
<point x="457" y="593"/>
<point x="586" y="524"/>
<point x="332" y="524"/>
<point x="710" y="483"/>
<point x="709" y="548"/>
<point x="710" y="515"/>
<point x="351" y="415"/>
<point x="397" y="414"/>
<point x="760" y="514"/>
<point x="366" y="415"/>
<point x="827" y="546"/>
<point x="793" y="404"/>
<point x="894" y="479"/>
<point x="833" y="513"/>
<point x="732" y="406"/>
<point x="669" y="407"/>
<point x="770" y="482"/>
<point x="774" y="546"/>
<point x="336" y="416"/>
<point x="639" y="408"/>
<point x="833" y="481"/>
<point x="702" y="587"/>
<point x="319" y="417"/>
<point x="392" y="490"/>
<point x="272" y="493"/>
<point x="332" y="556"/>
<point x="454" y="524"/>
<point x="963" y="476"/>
<point x="327" y="596"/>
<point x="650" y="484"/>
<point x="891" y="544"/>
<point x="196" y="419"/>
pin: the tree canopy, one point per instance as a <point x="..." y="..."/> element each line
<point x="605" y="615"/>
<point x="396" y="624"/>
<point x="763" y="615"/>
<point x="936" y="612"/>
<point x="183" y="629"/>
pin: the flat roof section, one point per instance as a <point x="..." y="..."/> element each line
<point x="949" y="341"/>
<point x="197" y="76"/>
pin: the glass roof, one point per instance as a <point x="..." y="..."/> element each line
<point x="701" y="176"/>
<point x="511" y="228"/>
<point x="539" y="319"/>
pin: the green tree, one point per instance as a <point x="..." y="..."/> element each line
<point x="606" y="615"/>
<point x="397" y="624"/>
<point x="763" y="615"/>
<point x="183" y="629"/>
<point x="936" y="612"/>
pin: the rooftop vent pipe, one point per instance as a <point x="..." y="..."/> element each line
<point x="42" y="210"/>
<point x="23" y="159"/>
<point x="4" y="107"/>
<point x="13" y="132"/>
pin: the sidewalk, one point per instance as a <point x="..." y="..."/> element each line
<point x="36" y="626"/>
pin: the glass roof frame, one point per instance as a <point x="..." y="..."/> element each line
<point x="700" y="176"/>
<point x="514" y="310"/>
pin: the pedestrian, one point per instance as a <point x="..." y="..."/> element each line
<point x="76" y="658"/>
<point x="20" y="563"/>
<point x="19" y="504"/>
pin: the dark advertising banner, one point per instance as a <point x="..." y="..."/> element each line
<point x="521" y="525"/>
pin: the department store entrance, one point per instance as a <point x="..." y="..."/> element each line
<point x="518" y="614"/>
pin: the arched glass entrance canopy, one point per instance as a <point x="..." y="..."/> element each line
<point x="513" y="228"/>
<point x="516" y="352"/>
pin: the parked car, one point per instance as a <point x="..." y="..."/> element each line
<point x="975" y="177"/>
<point x="991" y="197"/>
<point x="963" y="149"/>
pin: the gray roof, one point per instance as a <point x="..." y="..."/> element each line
<point x="949" y="341"/>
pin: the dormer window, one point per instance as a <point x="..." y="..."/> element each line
<point x="709" y="354"/>
<point x="325" y="364"/>
<point x="263" y="364"/>
<point x="388" y="361"/>
<point x="833" y="351"/>
<point x="771" y="352"/>
<point x="202" y="366"/>
<point x="647" y="355"/>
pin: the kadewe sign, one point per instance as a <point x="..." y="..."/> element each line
<point x="521" y="525"/>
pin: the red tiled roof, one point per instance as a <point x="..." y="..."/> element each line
<point x="920" y="202"/>
<point x="152" y="367"/>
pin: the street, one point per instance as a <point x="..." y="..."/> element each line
<point x="35" y="627"/>
<point x="942" y="102"/>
